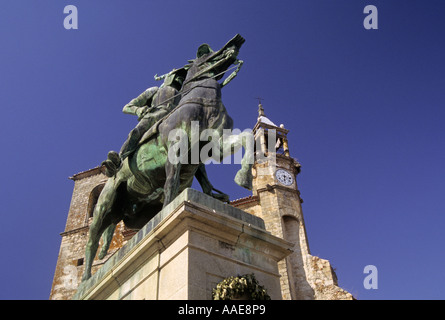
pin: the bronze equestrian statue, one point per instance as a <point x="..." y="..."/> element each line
<point x="145" y="179"/>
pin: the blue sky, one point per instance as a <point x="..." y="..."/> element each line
<point x="365" y="110"/>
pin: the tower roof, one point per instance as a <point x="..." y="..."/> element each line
<point x="262" y="117"/>
<point x="263" y="121"/>
<point x="266" y="120"/>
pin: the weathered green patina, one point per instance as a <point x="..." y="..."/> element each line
<point x="142" y="179"/>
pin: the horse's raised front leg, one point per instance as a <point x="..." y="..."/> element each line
<point x="230" y="144"/>
<point x="244" y="176"/>
<point x="101" y="222"/>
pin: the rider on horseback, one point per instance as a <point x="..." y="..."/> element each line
<point x="155" y="103"/>
<point x="140" y="188"/>
<point x="150" y="106"/>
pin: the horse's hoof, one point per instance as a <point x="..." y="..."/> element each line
<point x="244" y="178"/>
<point x="86" y="276"/>
<point x="102" y="255"/>
<point x="221" y="197"/>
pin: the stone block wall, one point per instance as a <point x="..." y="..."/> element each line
<point x="69" y="268"/>
<point x="191" y="245"/>
<point x="303" y="276"/>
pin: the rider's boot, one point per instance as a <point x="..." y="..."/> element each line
<point x="131" y="144"/>
<point x="113" y="156"/>
<point x="112" y="164"/>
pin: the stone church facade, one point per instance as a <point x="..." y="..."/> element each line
<point x="275" y="199"/>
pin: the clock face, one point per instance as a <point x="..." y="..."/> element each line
<point x="284" y="177"/>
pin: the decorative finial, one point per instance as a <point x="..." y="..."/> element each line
<point x="260" y="108"/>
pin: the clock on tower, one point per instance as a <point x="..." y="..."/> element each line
<point x="284" y="177"/>
<point x="276" y="199"/>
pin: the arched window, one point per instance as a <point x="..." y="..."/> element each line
<point x="92" y="201"/>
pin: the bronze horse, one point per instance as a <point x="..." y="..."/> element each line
<point x="147" y="180"/>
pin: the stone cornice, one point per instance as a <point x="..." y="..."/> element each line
<point x="65" y="233"/>
<point x="87" y="173"/>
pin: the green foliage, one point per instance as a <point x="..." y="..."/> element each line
<point x="238" y="287"/>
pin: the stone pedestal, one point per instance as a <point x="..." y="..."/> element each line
<point x="185" y="250"/>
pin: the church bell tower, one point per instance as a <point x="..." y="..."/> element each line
<point x="276" y="199"/>
<point x="275" y="185"/>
